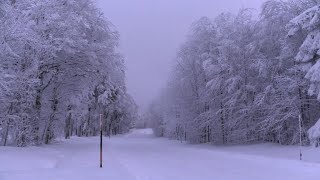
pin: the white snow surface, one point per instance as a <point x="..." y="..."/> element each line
<point x="314" y="132"/>
<point x="140" y="156"/>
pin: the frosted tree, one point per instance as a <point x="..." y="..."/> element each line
<point x="17" y="69"/>
<point x="58" y="59"/>
<point x="309" y="22"/>
<point x="304" y="33"/>
<point x="234" y="80"/>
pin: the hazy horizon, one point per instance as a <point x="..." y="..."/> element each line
<point x="159" y="27"/>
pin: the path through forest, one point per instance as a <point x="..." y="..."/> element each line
<point x="140" y="156"/>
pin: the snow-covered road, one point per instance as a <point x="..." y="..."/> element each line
<point x="140" y="156"/>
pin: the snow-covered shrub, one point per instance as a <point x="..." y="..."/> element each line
<point x="314" y="134"/>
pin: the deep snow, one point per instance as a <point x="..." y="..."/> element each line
<point x="140" y="156"/>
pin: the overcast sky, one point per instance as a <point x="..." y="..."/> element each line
<point x="152" y="31"/>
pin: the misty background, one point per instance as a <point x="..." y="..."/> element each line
<point x="151" y="31"/>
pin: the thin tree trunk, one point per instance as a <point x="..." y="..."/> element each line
<point x="222" y="123"/>
<point x="48" y="132"/>
<point x="36" y="124"/>
<point x="6" y="135"/>
<point x="72" y="127"/>
<point x="68" y="124"/>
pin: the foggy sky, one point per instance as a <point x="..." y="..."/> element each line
<point x="151" y="32"/>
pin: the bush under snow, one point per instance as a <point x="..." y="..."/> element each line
<point x="314" y="134"/>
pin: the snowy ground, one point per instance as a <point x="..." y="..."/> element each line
<point x="140" y="156"/>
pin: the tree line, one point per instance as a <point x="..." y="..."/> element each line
<point x="59" y="69"/>
<point x="241" y="78"/>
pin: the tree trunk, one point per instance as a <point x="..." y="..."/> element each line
<point x="49" y="134"/>
<point x="208" y="133"/>
<point x="36" y="123"/>
<point x="6" y="135"/>
<point x="109" y="130"/>
<point x="222" y="123"/>
<point x="68" y="124"/>
<point x="72" y="127"/>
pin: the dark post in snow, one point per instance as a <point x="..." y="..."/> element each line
<point x="100" y="140"/>
<point x="300" y="129"/>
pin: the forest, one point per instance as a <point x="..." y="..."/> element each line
<point x="243" y="78"/>
<point x="159" y="89"/>
<point x="59" y="70"/>
<point x="239" y="78"/>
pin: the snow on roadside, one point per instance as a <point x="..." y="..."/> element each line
<point x="270" y="150"/>
<point x="140" y="156"/>
<point x="314" y="133"/>
<point x="75" y="159"/>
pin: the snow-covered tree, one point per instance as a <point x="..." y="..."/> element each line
<point x="59" y="69"/>
<point x="235" y="80"/>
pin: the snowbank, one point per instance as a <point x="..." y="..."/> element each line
<point x="314" y="134"/>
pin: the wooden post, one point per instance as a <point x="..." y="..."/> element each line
<point x="100" y="140"/>
<point x="300" y="129"/>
